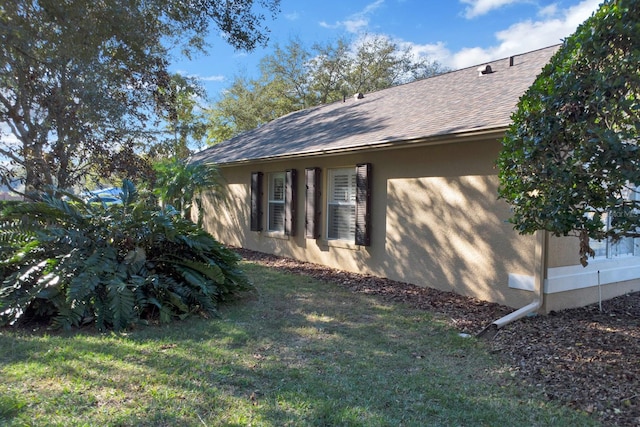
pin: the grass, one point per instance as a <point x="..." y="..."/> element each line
<point x="299" y="353"/>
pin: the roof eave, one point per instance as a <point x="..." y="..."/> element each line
<point x="449" y="138"/>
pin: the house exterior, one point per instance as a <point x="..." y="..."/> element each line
<point x="402" y="184"/>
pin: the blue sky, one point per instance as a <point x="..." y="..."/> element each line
<point x="457" y="33"/>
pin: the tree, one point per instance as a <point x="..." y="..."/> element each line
<point x="570" y="162"/>
<point x="282" y="88"/>
<point x="285" y="73"/>
<point x="378" y="63"/>
<point x="185" y="126"/>
<point x="246" y="105"/>
<point x="294" y="78"/>
<point x="328" y="69"/>
<point x="83" y="81"/>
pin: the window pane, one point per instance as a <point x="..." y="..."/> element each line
<point x="342" y="224"/>
<point x="276" y="216"/>
<point x="276" y="190"/>
<point x="340" y="188"/>
<point x="599" y="247"/>
<point x="343" y="186"/>
<point x="622" y="247"/>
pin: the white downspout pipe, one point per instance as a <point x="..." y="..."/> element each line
<point x="539" y="275"/>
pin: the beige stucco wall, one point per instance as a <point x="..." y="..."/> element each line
<point x="563" y="251"/>
<point x="436" y="220"/>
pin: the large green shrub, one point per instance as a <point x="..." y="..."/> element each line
<point x="570" y="162"/>
<point x="71" y="263"/>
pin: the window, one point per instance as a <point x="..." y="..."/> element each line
<point x="348" y="204"/>
<point x="626" y="246"/>
<point x="275" y="211"/>
<point x="341" y="204"/>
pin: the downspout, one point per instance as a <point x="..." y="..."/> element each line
<point x="539" y="275"/>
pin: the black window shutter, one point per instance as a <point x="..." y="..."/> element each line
<point x="363" y="204"/>
<point x="256" y="201"/>
<point x="290" y="202"/>
<point x="312" y="203"/>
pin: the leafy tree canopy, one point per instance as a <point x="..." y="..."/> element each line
<point x="295" y="77"/>
<point x="184" y="124"/>
<point x="82" y="82"/>
<point x="571" y="162"/>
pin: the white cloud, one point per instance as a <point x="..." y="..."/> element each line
<point x="551" y="27"/>
<point x="357" y="22"/>
<point x="214" y="78"/>
<point x="431" y="51"/>
<point x="355" y="25"/>
<point x="325" y="24"/>
<point x="371" y="7"/>
<point x="293" y="16"/>
<point x="481" y="7"/>
<point x="527" y="35"/>
<point x="548" y="11"/>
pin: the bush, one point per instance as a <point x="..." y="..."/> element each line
<point x="70" y="263"/>
<point x="180" y="185"/>
<point x="6" y="203"/>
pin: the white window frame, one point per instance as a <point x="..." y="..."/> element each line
<point x="276" y="201"/>
<point x="341" y="200"/>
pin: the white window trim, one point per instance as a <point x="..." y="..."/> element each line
<point x="271" y="177"/>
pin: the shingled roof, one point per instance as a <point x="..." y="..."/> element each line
<point x="457" y="102"/>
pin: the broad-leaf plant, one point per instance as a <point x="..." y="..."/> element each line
<point x="67" y="262"/>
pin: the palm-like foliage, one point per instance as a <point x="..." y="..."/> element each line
<point x="72" y="263"/>
<point x="180" y="184"/>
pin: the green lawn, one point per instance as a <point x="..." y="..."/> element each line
<point x="298" y="353"/>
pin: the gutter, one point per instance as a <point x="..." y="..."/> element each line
<point x="539" y="275"/>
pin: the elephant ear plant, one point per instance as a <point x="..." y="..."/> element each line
<point x="68" y="263"/>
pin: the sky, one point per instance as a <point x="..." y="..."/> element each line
<point x="456" y="33"/>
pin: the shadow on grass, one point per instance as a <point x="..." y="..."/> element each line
<point x="299" y="352"/>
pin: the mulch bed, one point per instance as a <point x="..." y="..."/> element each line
<point x="584" y="358"/>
